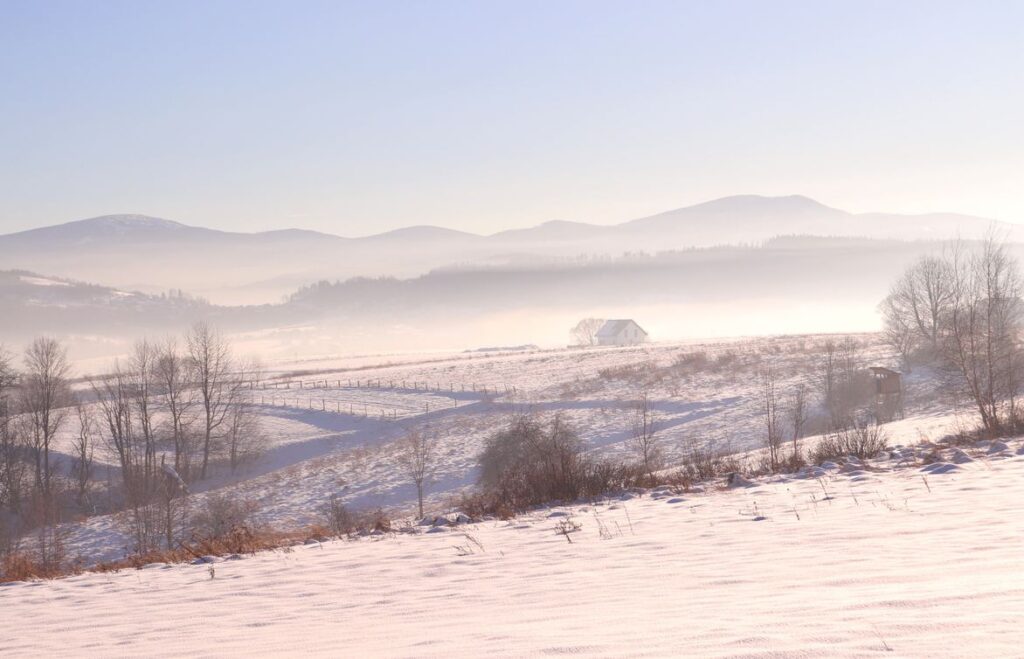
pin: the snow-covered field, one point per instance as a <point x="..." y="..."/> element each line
<point x="888" y="558"/>
<point x="336" y="434"/>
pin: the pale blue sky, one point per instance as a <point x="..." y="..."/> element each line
<point x="355" y="118"/>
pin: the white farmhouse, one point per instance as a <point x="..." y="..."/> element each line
<point x="621" y="333"/>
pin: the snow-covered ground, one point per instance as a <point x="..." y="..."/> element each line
<point x="889" y="558"/>
<point x="336" y="434"/>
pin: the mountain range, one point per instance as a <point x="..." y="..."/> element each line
<point x="152" y="255"/>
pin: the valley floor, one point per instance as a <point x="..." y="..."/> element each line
<point x="858" y="560"/>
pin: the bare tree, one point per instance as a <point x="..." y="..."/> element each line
<point x="773" y="427"/>
<point x="829" y="377"/>
<point x="13" y="472"/>
<point x="118" y="402"/>
<point x="177" y="398"/>
<point x="985" y="324"/>
<point x="417" y="456"/>
<point x="243" y="433"/>
<point x="142" y="375"/>
<point x="8" y="379"/>
<point x="116" y="410"/>
<point x="585" y="331"/>
<point x="44" y="396"/>
<point x="798" y="414"/>
<point x="645" y="438"/>
<point x="83" y="448"/>
<point x="898" y="331"/>
<point x="919" y="303"/>
<point x="844" y="387"/>
<point x="172" y="499"/>
<point x="210" y="365"/>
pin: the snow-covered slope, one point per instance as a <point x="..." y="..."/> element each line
<point x="336" y="434"/>
<point x="881" y="559"/>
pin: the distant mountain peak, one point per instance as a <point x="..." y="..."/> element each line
<point x="422" y="232"/>
<point x="753" y="202"/>
<point x="130" y="221"/>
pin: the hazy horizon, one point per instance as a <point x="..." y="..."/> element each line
<point x="356" y="119"/>
<point x="143" y="216"/>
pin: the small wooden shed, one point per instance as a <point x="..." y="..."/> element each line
<point x="888" y="393"/>
<point x="887" y="381"/>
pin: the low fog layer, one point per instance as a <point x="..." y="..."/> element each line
<point x="786" y="285"/>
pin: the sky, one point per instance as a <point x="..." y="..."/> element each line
<point x="356" y="118"/>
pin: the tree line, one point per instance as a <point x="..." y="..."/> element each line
<point x="166" y="415"/>
<point x="960" y="312"/>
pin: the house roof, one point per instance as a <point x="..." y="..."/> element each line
<point x="615" y="327"/>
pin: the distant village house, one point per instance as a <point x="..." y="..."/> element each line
<point x="623" y="332"/>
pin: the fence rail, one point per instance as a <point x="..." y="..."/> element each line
<point x="385" y="385"/>
<point x="358" y="410"/>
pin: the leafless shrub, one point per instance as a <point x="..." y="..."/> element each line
<point x="645" y="439"/>
<point x="799" y="411"/>
<point x="773" y="426"/>
<point x="637" y="372"/>
<point x="142" y="523"/>
<point x="703" y="463"/>
<point x="25" y="566"/>
<point x="220" y="513"/>
<point x="862" y="440"/>
<point x="727" y="360"/>
<point x="531" y="462"/>
<point x="417" y="456"/>
<point x="566" y="527"/>
<point x="343" y="521"/>
<point x="691" y="362"/>
<point x="338" y="517"/>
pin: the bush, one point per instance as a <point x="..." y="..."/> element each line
<point x="702" y="463"/>
<point x="343" y="521"/>
<point x="531" y="463"/>
<point x="861" y="440"/>
<point x="636" y="372"/>
<point x="222" y="515"/>
<point x="24" y="566"/>
<point x="691" y="362"/>
<point x="338" y="518"/>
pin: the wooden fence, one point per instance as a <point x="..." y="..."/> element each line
<point x="393" y="385"/>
